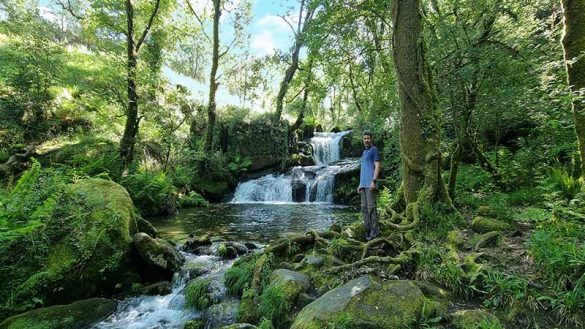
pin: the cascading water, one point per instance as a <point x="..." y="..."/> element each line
<point x="168" y="311"/>
<point x="301" y="184"/>
<point x="326" y="147"/>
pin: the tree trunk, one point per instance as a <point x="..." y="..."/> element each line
<point x="131" y="128"/>
<point x="419" y="122"/>
<point x="301" y="116"/>
<point x="212" y="78"/>
<point x="294" y="65"/>
<point x="132" y="120"/>
<point x="574" y="53"/>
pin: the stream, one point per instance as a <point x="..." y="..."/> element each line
<point x="262" y="210"/>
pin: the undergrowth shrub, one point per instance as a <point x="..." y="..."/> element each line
<point x="558" y="248"/>
<point x="152" y="192"/>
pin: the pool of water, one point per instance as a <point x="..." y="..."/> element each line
<point x="259" y="222"/>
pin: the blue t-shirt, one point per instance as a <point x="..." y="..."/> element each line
<point x="369" y="156"/>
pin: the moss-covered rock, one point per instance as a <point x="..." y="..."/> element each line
<point x="86" y="234"/>
<point x="472" y="319"/>
<point x="158" y="253"/>
<point x="77" y="315"/>
<point x="488" y="239"/>
<point x="456" y="239"/>
<point x="364" y="301"/>
<point x="485" y="224"/>
<point x="146" y="227"/>
<point x="282" y="297"/>
<point x="222" y="314"/>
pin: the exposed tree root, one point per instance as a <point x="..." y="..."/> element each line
<point x="403" y="258"/>
<point x="376" y="242"/>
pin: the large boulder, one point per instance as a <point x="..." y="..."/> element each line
<point x="77" y="315"/>
<point x="86" y="237"/>
<point x="366" y="303"/>
<point x="158" y="253"/>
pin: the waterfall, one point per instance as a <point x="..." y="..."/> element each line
<point x="326" y="147"/>
<point x="300" y="184"/>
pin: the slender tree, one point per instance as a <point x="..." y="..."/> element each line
<point x="132" y="47"/>
<point x="294" y="65"/>
<point x="574" y="53"/>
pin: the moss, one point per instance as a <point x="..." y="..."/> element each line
<point x="248" y="311"/>
<point x="239" y="276"/>
<point x="485" y="224"/>
<point x="80" y="314"/>
<point x="90" y="219"/>
<point x="194" y="324"/>
<point x="275" y="305"/>
<point x="455" y="238"/>
<point x="197" y="294"/>
<point x="265" y="324"/>
<point x="475" y="319"/>
<point x="222" y="250"/>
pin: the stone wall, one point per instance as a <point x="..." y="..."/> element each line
<point x="265" y="145"/>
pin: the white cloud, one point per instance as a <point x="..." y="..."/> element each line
<point x="273" y="21"/>
<point x="48" y="14"/>
<point x="264" y="43"/>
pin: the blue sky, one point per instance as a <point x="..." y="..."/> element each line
<point x="269" y="32"/>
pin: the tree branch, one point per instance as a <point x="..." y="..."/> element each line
<point x="148" y="26"/>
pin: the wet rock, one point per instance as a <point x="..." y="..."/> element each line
<point x="227" y="251"/>
<point x="299" y="191"/>
<point x="250" y="245"/>
<point x="313" y="260"/>
<point x="469" y="319"/>
<point x="485" y="224"/>
<point x="197" y="267"/>
<point x="146" y="227"/>
<point x="159" y="288"/>
<point x="366" y="303"/>
<point x="158" y="253"/>
<point x="222" y="314"/>
<point x="240" y="247"/>
<point x="77" y="315"/>
<point x="195" y="242"/>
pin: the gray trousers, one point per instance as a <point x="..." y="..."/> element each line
<point x="370" y="212"/>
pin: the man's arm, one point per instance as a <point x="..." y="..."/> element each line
<point x="376" y="173"/>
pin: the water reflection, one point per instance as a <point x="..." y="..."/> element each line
<point x="252" y="222"/>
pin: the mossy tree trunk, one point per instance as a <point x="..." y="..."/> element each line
<point x="419" y="119"/>
<point x="132" y="47"/>
<point x="574" y="53"/>
<point x="213" y="84"/>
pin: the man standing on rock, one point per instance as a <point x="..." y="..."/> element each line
<point x="369" y="171"/>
